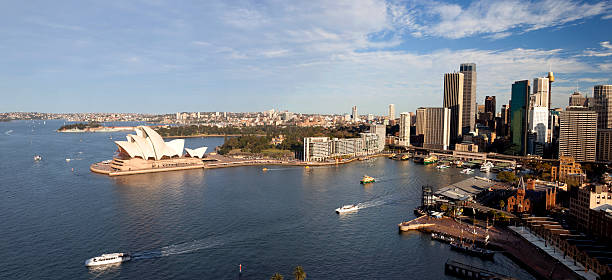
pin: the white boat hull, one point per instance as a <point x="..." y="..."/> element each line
<point x="106" y="260"/>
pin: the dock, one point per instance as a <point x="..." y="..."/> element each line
<point x="466" y="271"/>
<point x="415" y="224"/>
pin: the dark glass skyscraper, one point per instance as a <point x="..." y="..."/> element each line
<point x="519" y="105"/>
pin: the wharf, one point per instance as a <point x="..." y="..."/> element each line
<point x="466" y="271"/>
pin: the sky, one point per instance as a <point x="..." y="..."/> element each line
<point x="315" y="56"/>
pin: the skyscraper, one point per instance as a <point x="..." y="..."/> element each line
<point x="490" y="107"/>
<point x="538" y="123"/>
<point x="391" y="112"/>
<point x="540" y="92"/>
<point x="519" y="114"/>
<point x="437" y="128"/>
<point x="469" y="96"/>
<point x="603" y="105"/>
<point x="453" y="100"/>
<point x="420" y="121"/>
<point x="354" y="114"/>
<point x="551" y="79"/>
<point x="577" y="99"/>
<point x="404" y="129"/>
<point x="578" y="133"/>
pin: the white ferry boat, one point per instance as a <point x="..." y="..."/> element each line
<point x="347" y="208"/>
<point x="467" y="171"/>
<point x="486" y="167"/>
<point x="108" y="259"/>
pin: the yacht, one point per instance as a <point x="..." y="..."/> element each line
<point x="108" y="259"/>
<point x="347" y="208"/>
<point x="486" y="167"/>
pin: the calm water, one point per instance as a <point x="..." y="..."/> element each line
<point x="204" y="223"/>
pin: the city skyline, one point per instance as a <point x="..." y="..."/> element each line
<point x="245" y="57"/>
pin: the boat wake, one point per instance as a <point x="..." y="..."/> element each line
<point x="378" y="202"/>
<point x="8" y="132"/>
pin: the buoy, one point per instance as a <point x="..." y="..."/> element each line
<point x="264" y="169"/>
<point x="240" y="268"/>
<point x="306" y="166"/>
<point x="73" y="169"/>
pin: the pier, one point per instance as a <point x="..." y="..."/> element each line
<point x="466" y="271"/>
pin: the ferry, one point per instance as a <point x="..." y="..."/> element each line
<point x="430" y="160"/>
<point x="367" y="179"/>
<point x="405" y="157"/>
<point x="458" y="163"/>
<point x="467" y="171"/>
<point x="347" y="208"/>
<point x="108" y="259"/>
<point x="441" y="237"/>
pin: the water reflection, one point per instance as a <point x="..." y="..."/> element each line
<point x="171" y="179"/>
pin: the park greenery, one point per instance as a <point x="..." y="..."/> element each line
<point x="79" y="126"/>
<point x="257" y="139"/>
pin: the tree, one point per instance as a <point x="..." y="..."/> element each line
<point x="506" y="176"/>
<point x="277" y="276"/>
<point x="502" y="204"/>
<point x="298" y="273"/>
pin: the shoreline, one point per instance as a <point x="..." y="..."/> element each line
<point x="103" y="167"/>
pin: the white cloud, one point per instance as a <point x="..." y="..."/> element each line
<point x="607" y="50"/>
<point x="439" y="19"/>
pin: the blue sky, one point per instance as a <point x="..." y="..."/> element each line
<point x="303" y="56"/>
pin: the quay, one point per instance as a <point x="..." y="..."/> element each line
<point x="211" y="162"/>
<point x="466" y="271"/>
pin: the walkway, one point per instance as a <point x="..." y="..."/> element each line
<point x="553" y="252"/>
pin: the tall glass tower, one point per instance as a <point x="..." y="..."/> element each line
<point x="519" y="115"/>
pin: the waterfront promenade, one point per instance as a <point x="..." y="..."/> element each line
<point x="521" y="246"/>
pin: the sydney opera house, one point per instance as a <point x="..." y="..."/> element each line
<point x="146" y="151"/>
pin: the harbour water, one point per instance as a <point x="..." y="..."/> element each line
<point x="201" y="224"/>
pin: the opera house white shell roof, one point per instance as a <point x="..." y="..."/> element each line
<point x="196" y="153"/>
<point x="148" y="144"/>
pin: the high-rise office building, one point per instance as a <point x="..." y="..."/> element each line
<point x="469" y="96"/>
<point x="505" y="121"/>
<point x="604" y="145"/>
<point x="404" y="129"/>
<point x="603" y="105"/>
<point x="391" y="112"/>
<point x="490" y="107"/>
<point x="519" y="115"/>
<point x="420" y="121"/>
<point x="538" y="123"/>
<point x="437" y="128"/>
<point x="453" y="100"/>
<point x="354" y="115"/>
<point x="577" y="99"/>
<point x="578" y="133"/>
<point x="381" y="131"/>
<point x="540" y="92"/>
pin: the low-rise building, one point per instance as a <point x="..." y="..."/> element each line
<point x="586" y="198"/>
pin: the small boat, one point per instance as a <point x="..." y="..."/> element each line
<point x="430" y="160"/>
<point x="405" y="157"/>
<point x="442" y="237"/>
<point x="347" y="208"/>
<point x="458" y="163"/>
<point x="67" y="160"/>
<point x="264" y="169"/>
<point x="467" y="171"/>
<point x="367" y="179"/>
<point x="108" y="259"/>
<point x="442" y="166"/>
<point x="472" y="250"/>
<point x="37" y="158"/>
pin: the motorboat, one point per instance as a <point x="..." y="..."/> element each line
<point x="486" y="167"/>
<point x="467" y="171"/>
<point x="367" y="179"/>
<point x="347" y="208"/>
<point x="37" y="158"/>
<point x="105" y="259"/>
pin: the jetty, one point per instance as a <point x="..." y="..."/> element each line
<point x="415" y="224"/>
<point x="466" y="271"/>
